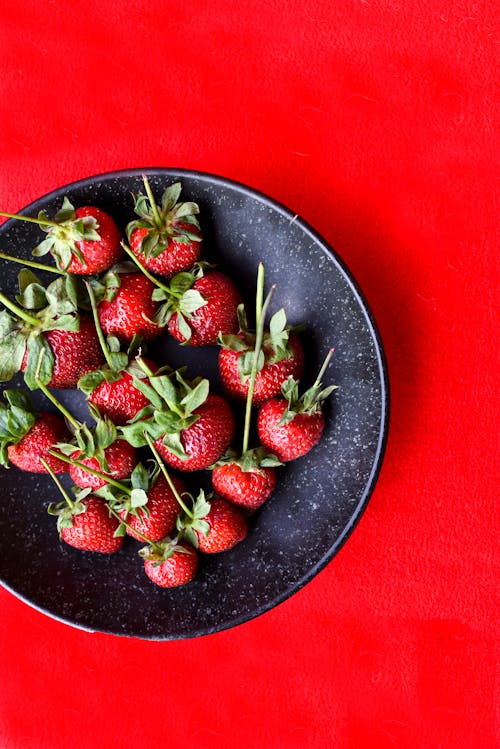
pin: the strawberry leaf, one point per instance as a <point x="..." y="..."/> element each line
<point x="173" y="443"/>
<point x="12" y="350"/>
<point x="170" y="197"/>
<point x="37" y="365"/>
<point x="181" y="282"/>
<point x="196" y="397"/>
<point x="138" y="498"/>
<point x="31" y="292"/>
<point x="150" y="392"/>
<point x="88" y="383"/>
<point x="140" y="478"/>
<point x="183" y="327"/>
<point x="191" y="301"/>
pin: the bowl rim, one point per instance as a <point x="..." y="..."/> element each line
<point x="330" y="252"/>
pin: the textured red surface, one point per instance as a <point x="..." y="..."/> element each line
<point x="374" y="120"/>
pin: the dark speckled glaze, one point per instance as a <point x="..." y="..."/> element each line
<point x="318" y="499"/>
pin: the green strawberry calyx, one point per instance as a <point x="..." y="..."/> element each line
<point x="159" y="551"/>
<point x="250" y="460"/>
<point x="68" y="508"/>
<point x="64" y="233"/>
<point x="180" y="297"/>
<point x="91" y="442"/>
<point x="173" y="402"/>
<point x="189" y="524"/>
<point x="275" y="342"/>
<point x="38" y="310"/>
<point x="168" y="221"/>
<point x="310" y="402"/>
<point x="16" y="420"/>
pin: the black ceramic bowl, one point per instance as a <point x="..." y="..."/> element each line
<point x="319" y="498"/>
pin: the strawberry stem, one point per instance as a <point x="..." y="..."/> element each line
<point x="261" y="310"/>
<point x="105" y="477"/>
<point x="152" y="201"/>
<point x="32" y="264"/>
<point x="38" y="221"/>
<point x="61" y="488"/>
<point x="18" y="311"/>
<point x="100" y="334"/>
<point x="67" y="415"/>
<point x="167" y="475"/>
<point x="144" y="366"/>
<point x="144" y="270"/>
<point x="322" y="371"/>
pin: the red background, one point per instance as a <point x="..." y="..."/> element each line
<point x="374" y="120"/>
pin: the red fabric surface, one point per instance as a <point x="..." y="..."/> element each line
<point x="374" y="120"/>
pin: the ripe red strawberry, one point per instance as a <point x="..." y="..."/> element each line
<point x="119" y="399"/>
<point x="130" y="310"/>
<point x="191" y="427"/>
<point x="93" y="529"/>
<point x="165" y="239"/>
<point x="48" y="322"/>
<point x="290" y="426"/>
<point x="269" y="379"/>
<point x="275" y="354"/>
<point x="76" y="353"/>
<point x="205" y="440"/>
<point x="120" y="458"/>
<point x="170" y="565"/>
<point x="26" y="436"/>
<point x="205" y="310"/>
<point x="226" y="527"/>
<point x="291" y="440"/>
<point x="81" y="241"/>
<point x="248" y="489"/>
<point x="156" y="518"/>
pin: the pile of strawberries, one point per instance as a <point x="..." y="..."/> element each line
<point x="88" y="329"/>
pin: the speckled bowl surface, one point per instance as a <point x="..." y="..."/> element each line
<point x="319" y="498"/>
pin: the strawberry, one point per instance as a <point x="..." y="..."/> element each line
<point x="88" y="526"/>
<point x="170" y="564"/>
<point x="75" y="353"/>
<point x="127" y="309"/>
<point x="233" y="370"/>
<point x="117" y="398"/>
<point x="85" y="522"/>
<point x="26" y="436"/>
<point x="120" y="459"/>
<point x="191" y="427"/>
<point x="248" y="487"/>
<point x="165" y="239"/>
<point x="280" y="356"/>
<point x="214" y="525"/>
<point x="200" y="307"/>
<point x="48" y="321"/>
<point x="290" y="426"/>
<point x="156" y="517"/>
<point x="81" y="241"/>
